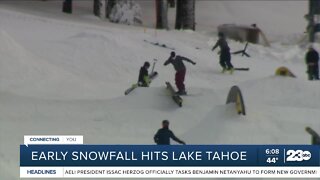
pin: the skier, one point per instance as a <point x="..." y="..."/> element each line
<point x="225" y="56"/>
<point x="162" y="137"/>
<point x="144" y="79"/>
<point x="312" y="59"/>
<point x="177" y="62"/>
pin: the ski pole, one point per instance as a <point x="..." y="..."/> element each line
<point x="154" y="63"/>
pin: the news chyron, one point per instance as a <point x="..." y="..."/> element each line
<point x="68" y="157"/>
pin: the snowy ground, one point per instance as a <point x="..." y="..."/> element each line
<point x="62" y="74"/>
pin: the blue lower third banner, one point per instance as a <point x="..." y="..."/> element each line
<point x="172" y="161"/>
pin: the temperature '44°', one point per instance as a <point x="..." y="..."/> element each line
<point x="272" y="160"/>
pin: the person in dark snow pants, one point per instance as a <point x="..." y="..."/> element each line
<point x="144" y="80"/>
<point x="312" y="61"/>
<point x="225" y="56"/>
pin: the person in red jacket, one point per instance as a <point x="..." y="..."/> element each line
<point x="163" y="135"/>
<point x="177" y="62"/>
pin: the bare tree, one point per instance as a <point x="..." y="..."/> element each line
<point x="162" y="14"/>
<point x="179" y="15"/>
<point x="67" y="6"/>
<point x="96" y="7"/>
<point x="185" y="15"/>
<point x="313" y="14"/>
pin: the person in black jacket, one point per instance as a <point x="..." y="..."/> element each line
<point x="177" y="62"/>
<point x="312" y="59"/>
<point x="225" y="56"/>
<point x="144" y="79"/>
<point x="163" y="135"/>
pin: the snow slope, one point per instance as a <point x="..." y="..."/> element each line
<point x="60" y="76"/>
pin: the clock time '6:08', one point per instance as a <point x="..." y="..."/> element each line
<point x="272" y="151"/>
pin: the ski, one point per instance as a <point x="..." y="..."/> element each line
<point x="131" y="89"/>
<point x="158" y="44"/>
<point x="230" y="71"/>
<point x="152" y="76"/>
<point x="241" y="69"/>
<point x="176" y="98"/>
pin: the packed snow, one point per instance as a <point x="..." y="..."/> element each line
<point x="66" y="74"/>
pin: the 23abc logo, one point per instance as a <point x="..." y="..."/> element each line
<point x="298" y="155"/>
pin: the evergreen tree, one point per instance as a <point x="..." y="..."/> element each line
<point x="102" y="8"/>
<point x="110" y="5"/>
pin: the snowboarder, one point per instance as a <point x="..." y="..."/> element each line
<point x="225" y="56"/>
<point x="177" y="62"/>
<point x="144" y="80"/>
<point x="162" y="137"/>
<point x="312" y="59"/>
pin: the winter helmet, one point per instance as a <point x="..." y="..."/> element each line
<point x="173" y="54"/>
<point x="165" y="123"/>
<point x="146" y="64"/>
<point x="311" y="46"/>
<point x="220" y="34"/>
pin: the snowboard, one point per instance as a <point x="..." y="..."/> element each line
<point x="176" y="98"/>
<point x="134" y="86"/>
